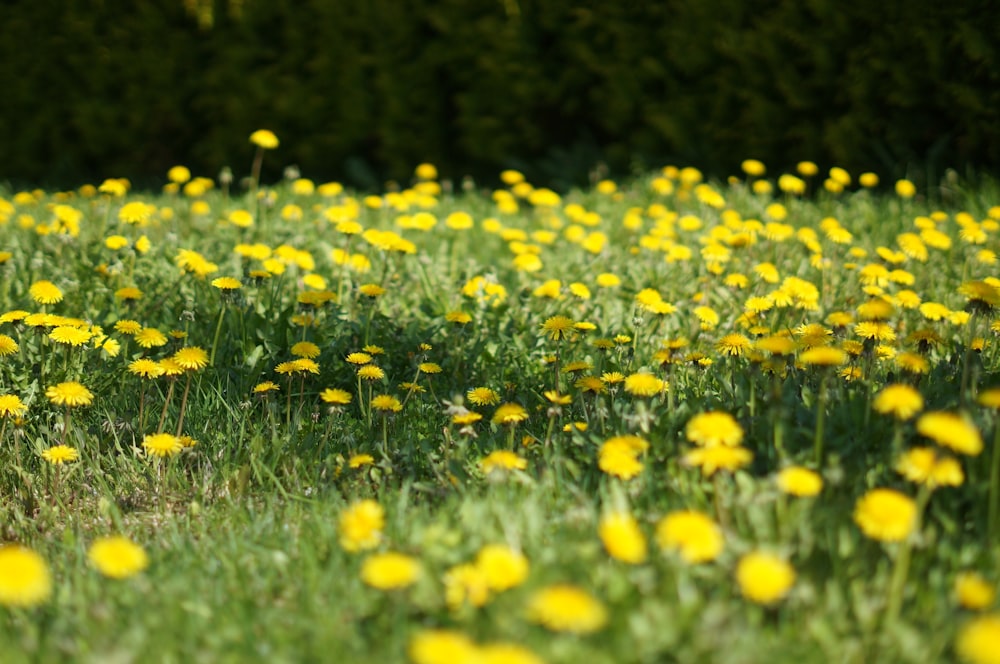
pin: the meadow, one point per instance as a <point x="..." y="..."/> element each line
<point x="657" y="420"/>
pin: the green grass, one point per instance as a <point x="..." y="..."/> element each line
<point x="241" y="530"/>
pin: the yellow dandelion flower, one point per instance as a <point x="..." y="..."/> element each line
<point x="951" y="430"/>
<point x="566" y="608"/>
<point x="191" y="358"/>
<point x="977" y="640"/>
<point x="162" y="444"/>
<point x="129" y="327"/>
<point x="973" y="592"/>
<point x="227" y="284"/>
<point x="720" y="457"/>
<point x="11" y="406"/>
<point x="45" y="292"/>
<point x="502" y="460"/>
<point x="924" y="465"/>
<point x="370" y="372"/>
<point x="360" y="526"/>
<point x="71" y="336"/>
<point x="558" y="327"/>
<point x="510" y="413"/>
<point x="503" y="566"/>
<point x="440" y="646"/>
<point x="714" y="428"/>
<point x="390" y="571"/>
<point x="305" y="349"/>
<point x="360" y="460"/>
<point x="824" y="356"/>
<point x="60" y="454"/>
<point x="899" y="400"/>
<point x="482" y="396"/>
<point x="644" y="385"/>
<point x="506" y="653"/>
<point x="799" y="481"/>
<point x="25" y="579"/>
<point x="359" y="358"/>
<point x="886" y="515"/>
<point x="335" y="396"/>
<point x="7" y="345"/>
<point x="264" y="139"/>
<point x="763" y="577"/>
<point x="117" y="557"/>
<point x="622" y="537"/>
<point x="150" y="337"/>
<point x="386" y="403"/>
<point x="70" y="394"/>
<point x="733" y="345"/>
<point x="693" y="535"/>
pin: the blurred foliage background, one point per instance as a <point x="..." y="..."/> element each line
<point x="363" y="91"/>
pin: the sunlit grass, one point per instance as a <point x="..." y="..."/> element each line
<point x="653" y="420"/>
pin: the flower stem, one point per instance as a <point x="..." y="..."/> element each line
<point x="901" y="566"/>
<point x="820" y="420"/>
<point x="994" y="499"/>
<point x="180" y="418"/>
<point x="166" y="405"/>
<point x="218" y="329"/>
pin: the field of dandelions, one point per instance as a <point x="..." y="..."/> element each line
<point x="658" y="420"/>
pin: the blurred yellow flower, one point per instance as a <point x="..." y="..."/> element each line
<point x="117" y="557"/>
<point x="763" y="577"/>
<point x="567" y="608"/>
<point x="622" y="537"/>
<point x="886" y="515"/>
<point x="360" y="526"/>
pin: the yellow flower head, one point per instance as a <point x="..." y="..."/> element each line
<point x="69" y="394"/>
<point x="644" y="384"/>
<point x="503" y="566"/>
<point x="60" y="454"/>
<point x="11" y="406"/>
<point x="622" y="537"/>
<point x="264" y="139"/>
<point x="951" y="430"/>
<point x="510" y="413"/>
<point x="886" y="515"/>
<point x="45" y="292"/>
<point x="386" y="403"/>
<point x="566" y="608"/>
<point x="227" y="283"/>
<point x="25" y="579"/>
<point x="691" y="534"/>
<point x="162" y="444"/>
<point x="360" y="460"/>
<point x="335" y="396"/>
<point x="390" y="571"/>
<point x="899" y="400"/>
<point x="7" y="345"/>
<point x="763" y="577"/>
<point x="973" y="592"/>
<point x="977" y="640"/>
<point x="720" y="457"/>
<point x="191" y="358"/>
<point x="117" y="557"/>
<point x="799" y="481"/>
<point x="360" y="526"/>
<point x="558" y="327"/>
<point x="924" y="465"/>
<point x="502" y="460"/>
<point x="619" y="456"/>
<point x="713" y="429"/>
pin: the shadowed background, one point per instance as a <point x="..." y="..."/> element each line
<point x="363" y="91"/>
